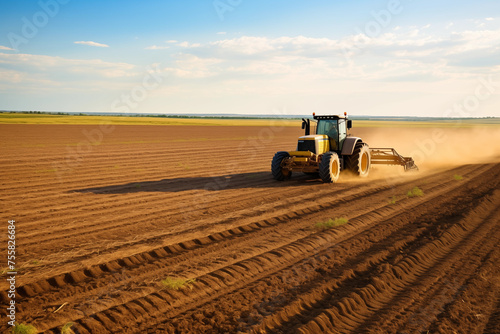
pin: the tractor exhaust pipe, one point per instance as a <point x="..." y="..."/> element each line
<point x="306" y="124"/>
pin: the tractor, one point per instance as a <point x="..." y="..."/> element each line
<point x="331" y="150"/>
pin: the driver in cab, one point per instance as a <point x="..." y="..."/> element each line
<point x="333" y="135"/>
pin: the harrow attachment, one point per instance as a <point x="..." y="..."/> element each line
<point x="389" y="156"/>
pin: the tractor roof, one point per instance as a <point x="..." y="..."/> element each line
<point x="329" y="117"/>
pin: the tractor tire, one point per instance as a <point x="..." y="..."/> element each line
<point x="278" y="172"/>
<point x="329" y="167"/>
<point x="360" y="161"/>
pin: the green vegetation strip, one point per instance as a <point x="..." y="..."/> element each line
<point x="86" y="119"/>
<point x="331" y="223"/>
<point x="24" y="329"/>
<point x="415" y="192"/>
<point x="393" y="200"/>
<point x="66" y="329"/>
<point x="11" y="118"/>
<point x="177" y="283"/>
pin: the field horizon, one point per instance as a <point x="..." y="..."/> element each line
<point x="233" y="120"/>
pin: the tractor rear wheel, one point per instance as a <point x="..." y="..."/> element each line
<point x="279" y="173"/>
<point x="360" y="160"/>
<point x="329" y="167"/>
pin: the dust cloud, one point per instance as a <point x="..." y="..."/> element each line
<point x="433" y="148"/>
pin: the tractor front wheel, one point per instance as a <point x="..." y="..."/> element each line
<point x="329" y="167"/>
<point x="279" y="173"/>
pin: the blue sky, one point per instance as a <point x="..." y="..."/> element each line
<point x="392" y="57"/>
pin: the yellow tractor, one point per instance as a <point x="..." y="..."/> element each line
<point x="331" y="150"/>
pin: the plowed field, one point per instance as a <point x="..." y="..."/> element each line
<point x="103" y="215"/>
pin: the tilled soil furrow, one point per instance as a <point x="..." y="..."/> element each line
<point x="396" y="280"/>
<point x="99" y="177"/>
<point x="119" y="151"/>
<point x="288" y="311"/>
<point x="94" y="225"/>
<point x="233" y="278"/>
<point x="137" y="196"/>
<point x="493" y="325"/>
<point x="98" y="231"/>
<point x="35" y="214"/>
<point x="413" y="309"/>
<point x="342" y="196"/>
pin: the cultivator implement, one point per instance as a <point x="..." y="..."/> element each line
<point x="389" y="156"/>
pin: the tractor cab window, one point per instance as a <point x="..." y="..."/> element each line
<point x="329" y="127"/>
<point x="342" y="132"/>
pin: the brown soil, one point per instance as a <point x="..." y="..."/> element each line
<point x="97" y="231"/>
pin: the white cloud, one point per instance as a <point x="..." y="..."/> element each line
<point x="474" y="40"/>
<point x="489" y="19"/>
<point x="407" y="54"/>
<point x="246" y="45"/>
<point x="90" y="43"/>
<point x="6" y="48"/>
<point x="156" y="47"/>
<point x="352" y="72"/>
<point x="254" y="47"/>
<point x="190" y="66"/>
<point x="58" y="69"/>
<point x="189" y="45"/>
<point x="262" y="47"/>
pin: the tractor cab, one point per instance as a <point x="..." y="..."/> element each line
<point x="335" y="127"/>
<point x="332" y="128"/>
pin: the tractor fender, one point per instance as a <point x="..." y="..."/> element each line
<point x="349" y="144"/>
